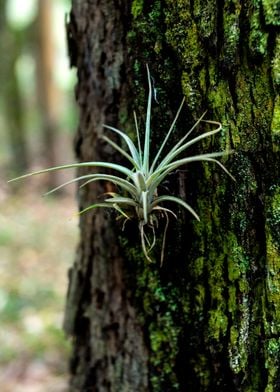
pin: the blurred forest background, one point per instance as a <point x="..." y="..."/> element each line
<point x="37" y="236"/>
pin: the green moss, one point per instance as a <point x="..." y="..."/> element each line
<point x="234" y="335"/>
<point x="158" y="47"/>
<point x="202" y="371"/>
<point x="272" y="359"/>
<point x="238" y="290"/>
<point x="271" y="12"/>
<point x="233" y="260"/>
<point x="183" y="36"/>
<point x="200" y="296"/>
<point x="231" y="33"/>
<point x="215" y="305"/>
<point x="238" y="263"/>
<point x="197" y="268"/>
<point x="190" y="91"/>
<point x="159" y="305"/>
<point x="273" y="215"/>
<point x="276" y="63"/>
<point x="239" y="337"/>
<point x="232" y="300"/>
<point x="146" y="33"/>
<point x="219" y="95"/>
<point x="275" y="126"/>
<point x="205" y="18"/>
<point x="220" y="100"/>
<point x="218" y="323"/>
<point x="162" y="302"/>
<point x="163" y="335"/>
<point x="257" y="37"/>
<point x="202" y="80"/>
<point x="137" y="8"/>
<point x="185" y="40"/>
<point x="252" y="87"/>
<point x="273" y="260"/>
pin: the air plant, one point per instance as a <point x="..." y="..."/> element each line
<point x="137" y="187"/>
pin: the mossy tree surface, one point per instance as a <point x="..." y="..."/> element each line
<point x="209" y="318"/>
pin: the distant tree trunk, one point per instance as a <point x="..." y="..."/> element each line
<point x="48" y="92"/>
<point x="209" y="319"/>
<point x="11" y="96"/>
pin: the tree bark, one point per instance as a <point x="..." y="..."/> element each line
<point x="110" y="353"/>
<point x="209" y="318"/>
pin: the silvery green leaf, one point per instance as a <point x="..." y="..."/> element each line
<point x="138" y="138"/>
<point x="92" y="206"/>
<point x="145" y="206"/>
<point x="121" y="150"/>
<point x="107" y="165"/>
<point x="122" y="200"/>
<point x="122" y="183"/>
<point x="159" y="208"/>
<point x="158" y="176"/>
<point x="174" y="199"/>
<point x="174" y="152"/>
<point x="181" y="141"/>
<point x="129" y="142"/>
<point x="139" y="181"/>
<point x="121" y="211"/>
<point x="167" y="136"/>
<point x="146" y="156"/>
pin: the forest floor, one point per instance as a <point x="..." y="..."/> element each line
<point x="38" y="237"/>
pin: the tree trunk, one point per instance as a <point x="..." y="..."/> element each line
<point x="11" y="96"/>
<point x="209" y="318"/>
<point x="47" y="90"/>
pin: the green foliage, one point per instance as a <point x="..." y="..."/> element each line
<point x="137" y="195"/>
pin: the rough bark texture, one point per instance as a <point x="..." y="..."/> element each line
<point x="209" y="319"/>
<point x="109" y="349"/>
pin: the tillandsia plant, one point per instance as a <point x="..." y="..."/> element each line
<point x="136" y="193"/>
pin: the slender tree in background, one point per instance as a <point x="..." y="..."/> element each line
<point x="11" y="96"/>
<point x="209" y="318"/>
<point x="48" y="93"/>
